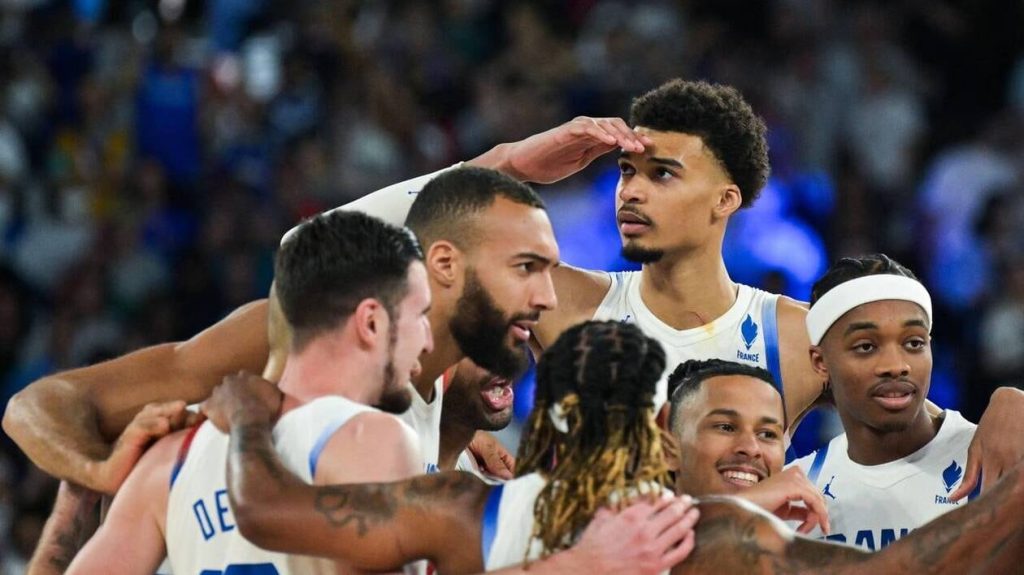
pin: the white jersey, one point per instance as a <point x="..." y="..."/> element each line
<point x="201" y="535"/>
<point x="747" y="333"/>
<point x="466" y="462"/>
<point x="425" y="419"/>
<point x="872" y="506"/>
<point x="507" y="527"/>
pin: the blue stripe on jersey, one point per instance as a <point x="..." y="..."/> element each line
<point x="819" y="461"/>
<point x="769" y="319"/>
<point x="321" y="442"/>
<point x="489" y="524"/>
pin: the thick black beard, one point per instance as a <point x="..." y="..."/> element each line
<point x="641" y="255"/>
<point x="395" y="397"/>
<point x="480" y="329"/>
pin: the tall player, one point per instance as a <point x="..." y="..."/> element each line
<point x="896" y="465"/>
<point x="696" y="154"/>
<point x="354" y="293"/>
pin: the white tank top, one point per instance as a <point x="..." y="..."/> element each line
<point x="201" y="533"/>
<point x="746" y="333"/>
<point x="425" y="419"/>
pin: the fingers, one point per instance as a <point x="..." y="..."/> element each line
<point x="613" y="132"/>
<point x="678" y="554"/>
<point x="972" y="473"/>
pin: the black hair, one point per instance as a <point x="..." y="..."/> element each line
<point x="847" y="269"/>
<point x="445" y="207"/>
<point x="688" y="377"/>
<point x="722" y="119"/>
<point x="602" y="376"/>
<point x="335" y="260"/>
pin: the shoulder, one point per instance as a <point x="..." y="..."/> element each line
<point x="378" y="427"/>
<point x="385" y="447"/>
<point x="579" y="292"/>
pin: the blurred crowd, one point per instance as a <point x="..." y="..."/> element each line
<point x="153" y="152"/>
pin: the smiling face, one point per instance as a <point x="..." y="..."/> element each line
<point x="730" y="435"/>
<point x="675" y="196"/>
<point x="506" y="286"/>
<point x="879" y="360"/>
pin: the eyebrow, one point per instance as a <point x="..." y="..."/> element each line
<point x="858" y="325"/>
<point x="537" y="257"/>
<point x="656" y="160"/>
<point x="734" y="413"/>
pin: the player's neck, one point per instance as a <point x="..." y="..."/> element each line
<point x="445" y="354"/>
<point x="869" y="446"/>
<point x="322" y="369"/>
<point x="688" y="291"/>
<point x="455" y="438"/>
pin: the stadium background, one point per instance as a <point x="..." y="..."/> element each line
<point x="152" y="153"/>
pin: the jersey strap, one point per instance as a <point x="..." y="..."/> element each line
<point x="769" y="320"/>
<point x="183" y="452"/>
<point x="817" y="463"/>
<point x="489" y="525"/>
<point x="321" y="441"/>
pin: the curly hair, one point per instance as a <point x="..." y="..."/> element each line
<point x="602" y="376"/>
<point x="722" y="119"/>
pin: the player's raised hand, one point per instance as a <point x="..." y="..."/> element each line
<point x="782" y="495"/>
<point x="562" y="151"/>
<point x="242" y="397"/>
<point x="998" y="443"/>
<point x="154" y="421"/>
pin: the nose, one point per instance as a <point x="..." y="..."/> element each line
<point x="631" y="191"/>
<point x="428" y="342"/>
<point x="892" y="363"/>
<point x="747" y="444"/>
<point x="543" y="297"/>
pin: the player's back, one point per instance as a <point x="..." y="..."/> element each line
<point x="201" y="535"/>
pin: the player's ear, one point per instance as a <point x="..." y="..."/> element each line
<point x="444" y="263"/>
<point x="729" y="201"/>
<point x="669" y="443"/>
<point x="370" y="321"/>
<point x="818" y="362"/>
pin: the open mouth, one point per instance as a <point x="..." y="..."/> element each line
<point x="521" y="330"/>
<point x="741" y="477"/>
<point x="498" y="394"/>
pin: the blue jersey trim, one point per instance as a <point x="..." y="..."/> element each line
<point x="489" y="526"/>
<point x="321" y="442"/>
<point x="771" y="341"/>
<point x="819" y="461"/>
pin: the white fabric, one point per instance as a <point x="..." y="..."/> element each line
<point x="425" y="419"/>
<point x="872" y="506"/>
<point x="468" y="463"/>
<point x="390" y="204"/>
<point x="848" y="295"/>
<point x="721" y="338"/>
<point x="201" y="532"/>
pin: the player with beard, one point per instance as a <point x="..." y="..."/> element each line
<point x="487" y="239"/>
<point x="354" y="293"/>
<point x="896" y="464"/>
<point x="474" y="399"/>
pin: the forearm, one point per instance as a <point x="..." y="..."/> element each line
<point x="56" y="425"/>
<point x="73" y="520"/>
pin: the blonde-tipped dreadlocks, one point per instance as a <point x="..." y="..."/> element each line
<point x="592" y="432"/>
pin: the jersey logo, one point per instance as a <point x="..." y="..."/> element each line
<point x="749" y="331"/>
<point x="826" y="491"/>
<point x="951" y="475"/>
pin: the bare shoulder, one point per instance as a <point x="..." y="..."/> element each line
<point x="372" y="446"/>
<point x="802" y="386"/>
<point x="377" y="427"/>
<point x="579" y="293"/>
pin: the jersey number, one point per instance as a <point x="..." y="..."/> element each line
<point x="248" y="569"/>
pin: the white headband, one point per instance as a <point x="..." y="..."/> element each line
<point x="848" y="295"/>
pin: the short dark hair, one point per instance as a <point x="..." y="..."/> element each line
<point x="333" y="261"/>
<point x="445" y="207"/>
<point x="690" y="375"/>
<point x="847" y="269"/>
<point x="722" y="119"/>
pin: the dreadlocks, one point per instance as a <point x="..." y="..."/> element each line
<point x="592" y="432"/>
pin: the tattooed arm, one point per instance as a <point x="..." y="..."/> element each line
<point x="736" y="537"/>
<point x="379" y="526"/>
<point x="73" y="520"/>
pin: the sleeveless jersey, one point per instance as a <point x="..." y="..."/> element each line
<point x="201" y="535"/>
<point x="425" y="419"/>
<point x="747" y="333"/>
<point x="871" y="506"/>
<point x="507" y="525"/>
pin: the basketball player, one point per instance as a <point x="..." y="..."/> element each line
<point x="354" y="292"/>
<point x="474" y="399"/>
<point x="451" y="516"/>
<point x="696" y="154"/>
<point x="490" y="250"/>
<point x="896" y="465"/>
<point x="727" y="421"/>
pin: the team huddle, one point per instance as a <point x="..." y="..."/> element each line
<point x="665" y="398"/>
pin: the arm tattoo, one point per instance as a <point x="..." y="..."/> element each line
<point x="253" y="440"/>
<point x="68" y="542"/>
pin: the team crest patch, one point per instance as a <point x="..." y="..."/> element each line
<point x="951" y="476"/>
<point x="749" y="331"/>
